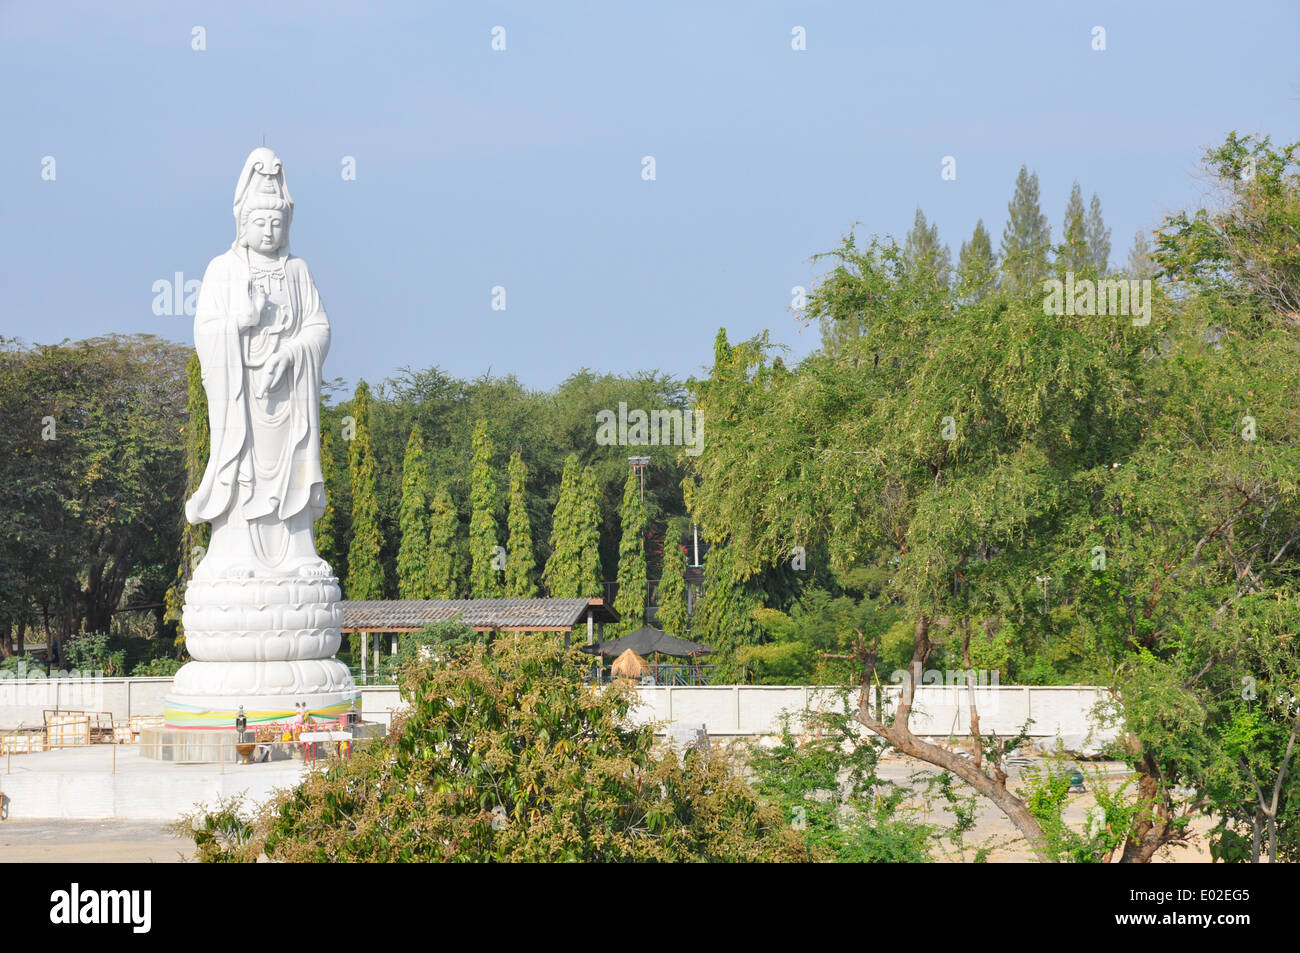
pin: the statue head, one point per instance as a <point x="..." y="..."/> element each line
<point x="263" y="206"/>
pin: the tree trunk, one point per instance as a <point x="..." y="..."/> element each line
<point x="899" y="734"/>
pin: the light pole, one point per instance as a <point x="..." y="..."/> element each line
<point x="639" y="464"/>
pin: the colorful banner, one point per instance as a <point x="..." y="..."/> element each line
<point x="177" y="715"/>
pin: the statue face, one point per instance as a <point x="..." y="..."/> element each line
<point x="265" y="230"/>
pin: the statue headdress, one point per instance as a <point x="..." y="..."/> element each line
<point x="262" y="185"/>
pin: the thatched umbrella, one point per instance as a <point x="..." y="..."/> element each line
<point x="629" y="665"/>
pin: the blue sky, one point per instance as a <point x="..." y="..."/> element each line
<point x="522" y="168"/>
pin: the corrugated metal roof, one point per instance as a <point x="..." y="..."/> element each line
<point x="389" y="615"/>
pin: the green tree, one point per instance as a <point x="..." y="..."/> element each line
<point x="326" y="530"/>
<point x="413" y="574"/>
<point x="444" y="552"/>
<point x="365" y="569"/>
<point x="510" y="755"/>
<point x="573" y="569"/>
<point x="1246" y="248"/>
<point x="673" y="616"/>
<point x="1075" y="254"/>
<point x="1140" y="263"/>
<point x="92" y="479"/>
<point x="977" y="266"/>
<point x="724" y="614"/>
<point x="904" y="457"/>
<point x="520" y="565"/>
<point x="194" y="539"/>
<point x="630" y="602"/>
<point x="1098" y="236"/>
<point x="485" y="579"/>
<point x="1026" y="238"/>
<point x="924" y="254"/>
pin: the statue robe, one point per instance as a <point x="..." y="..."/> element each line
<point x="295" y="484"/>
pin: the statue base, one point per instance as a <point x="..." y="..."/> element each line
<point x="265" y="643"/>
<point x="218" y="712"/>
<point x="222" y="746"/>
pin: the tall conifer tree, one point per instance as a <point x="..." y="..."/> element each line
<point x="977" y="266"/>
<point x="365" y="568"/>
<point x="723" y="616"/>
<point x="485" y="581"/>
<point x="673" y="616"/>
<point x="413" y="520"/>
<point x="573" y="569"/>
<point x="444" y="551"/>
<point x="520" y="564"/>
<point x="631" y="598"/>
<point x="194" y="539"/>
<point x="924" y="254"/>
<point x="1027" y="236"/>
<point x="1140" y="262"/>
<point x="1098" y="237"/>
<point x="1074" y="252"/>
<point x="325" y="530"/>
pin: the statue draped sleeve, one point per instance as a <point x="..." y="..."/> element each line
<point x="223" y="297"/>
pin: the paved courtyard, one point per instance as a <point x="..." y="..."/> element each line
<point x="90" y="842"/>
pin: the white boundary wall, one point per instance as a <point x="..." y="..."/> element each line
<point x="723" y="709"/>
<point x="749" y="710"/>
<point x="1047" y="711"/>
<point x="23" y="701"/>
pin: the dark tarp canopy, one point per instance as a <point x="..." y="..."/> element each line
<point x="645" y="641"/>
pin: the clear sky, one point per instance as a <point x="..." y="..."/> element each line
<point x="523" y="168"/>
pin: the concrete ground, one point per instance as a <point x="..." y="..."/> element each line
<point x="138" y="798"/>
<point x="101" y="782"/>
<point x="90" y="842"/>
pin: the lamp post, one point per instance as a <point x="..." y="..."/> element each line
<point x="639" y="464"/>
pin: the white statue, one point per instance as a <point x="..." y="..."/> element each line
<point x="262" y="614"/>
<point x="262" y="335"/>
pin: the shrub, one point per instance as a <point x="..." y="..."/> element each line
<point x="506" y="753"/>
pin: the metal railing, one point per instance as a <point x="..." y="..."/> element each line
<point x="668" y="673"/>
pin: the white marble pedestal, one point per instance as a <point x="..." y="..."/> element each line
<point x="264" y="643"/>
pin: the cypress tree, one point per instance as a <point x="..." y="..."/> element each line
<point x="673" y="616"/>
<point x="198" y="434"/>
<point x="1098" y="237"/>
<point x="443" y="549"/>
<point x="520" y="565"/>
<point x="1074" y="252"/>
<point x="198" y="437"/>
<point x="631" y="598"/>
<point x="1140" y="263"/>
<point x="1027" y="236"/>
<point x="365" y="570"/>
<point x="485" y="581"/>
<point x="325" y="530"/>
<point x="723" y="616"/>
<point x="574" y="567"/>
<point x="413" y="519"/>
<point x="589" y="513"/>
<point x="923" y="253"/>
<point x="977" y="265"/>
